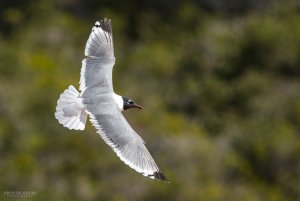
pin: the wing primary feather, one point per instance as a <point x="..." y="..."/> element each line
<point x="100" y="42"/>
<point x="133" y="152"/>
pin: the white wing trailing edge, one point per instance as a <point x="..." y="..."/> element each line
<point x="97" y="68"/>
<point x="128" y="145"/>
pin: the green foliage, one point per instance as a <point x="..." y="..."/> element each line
<point x="219" y="84"/>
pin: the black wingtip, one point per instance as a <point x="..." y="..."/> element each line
<point x="105" y="25"/>
<point x="160" y="176"/>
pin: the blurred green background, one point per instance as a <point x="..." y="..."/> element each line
<point x="219" y="81"/>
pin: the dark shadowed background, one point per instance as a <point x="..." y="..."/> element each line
<point x="219" y="82"/>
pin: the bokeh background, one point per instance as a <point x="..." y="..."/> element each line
<point x="219" y="81"/>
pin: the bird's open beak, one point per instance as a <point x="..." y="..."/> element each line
<point x="138" y="106"/>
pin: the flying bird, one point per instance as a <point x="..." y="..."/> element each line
<point x="98" y="100"/>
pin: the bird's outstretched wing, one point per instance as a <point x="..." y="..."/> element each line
<point x="100" y="42"/>
<point x="118" y="134"/>
<point x="96" y="70"/>
<point x="98" y="97"/>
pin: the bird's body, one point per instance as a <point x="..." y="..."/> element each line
<point x="104" y="107"/>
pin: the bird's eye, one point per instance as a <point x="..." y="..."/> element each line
<point x="129" y="101"/>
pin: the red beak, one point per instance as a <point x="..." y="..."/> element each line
<point x="138" y="106"/>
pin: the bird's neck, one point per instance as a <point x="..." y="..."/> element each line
<point x="119" y="100"/>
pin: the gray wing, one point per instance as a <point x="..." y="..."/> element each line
<point x="96" y="70"/>
<point x="118" y="134"/>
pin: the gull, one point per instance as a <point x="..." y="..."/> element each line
<point x="98" y="100"/>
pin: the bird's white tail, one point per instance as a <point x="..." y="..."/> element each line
<point x="70" y="111"/>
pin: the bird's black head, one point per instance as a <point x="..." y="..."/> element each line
<point x="129" y="103"/>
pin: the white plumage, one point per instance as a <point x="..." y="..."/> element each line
<point x="98" y="100"/>
<point x="70" y="111"/>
